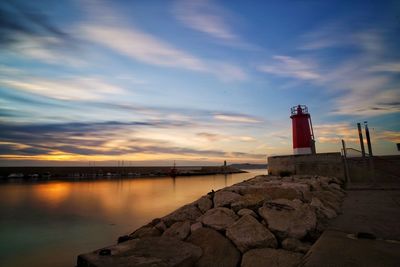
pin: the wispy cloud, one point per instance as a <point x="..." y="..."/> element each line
<point x="209" y="18"/>
<point x="146" y="48"/>
<point x="75" y="88"/>
<point x="214" y="137"/>
<point x="236" y="118"/>
<point x="141" y="46"/>
<point x="104" y="140"/>
<point x="290" y="67"/>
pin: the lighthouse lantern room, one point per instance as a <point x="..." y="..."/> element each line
<point x="303" y="134"/>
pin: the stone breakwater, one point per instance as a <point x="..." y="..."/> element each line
<point x="264" y="221"/>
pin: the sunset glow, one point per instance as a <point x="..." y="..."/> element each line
<point x="198" y="82"/>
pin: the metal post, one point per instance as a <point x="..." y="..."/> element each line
<point x="361" y="139"/>
<point x="371" y="158"/>
<point x="368" y="139"/>
<point x="346" y="167"/>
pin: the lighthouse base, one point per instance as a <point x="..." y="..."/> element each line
<point x="302" y="150"/>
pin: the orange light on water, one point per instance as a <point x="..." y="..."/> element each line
<point x="52" y="193"/>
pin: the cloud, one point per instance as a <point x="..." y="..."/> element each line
<point x="206" y="17"/>
<point x="236" y="118"/>
<point x="103" y="139"/>
<point x="213" y="137"/>
<point x="287" y="66"/>
<point x="386" y="67"/>
<point x="146" y="48"/>
<point x="78" y="88"/>
<point x="141" y="46"/>
<point x="389" y="136"/>
<point x="18" y="20"/>
<point x="333" y="133"/>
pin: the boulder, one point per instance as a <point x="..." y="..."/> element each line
<point x="287" y="218"/>
<point x="322" y="211"/>
<point x="243" y="212"/>
<point x="295" y="245"/>
<point x="145" y="231"/>
<point x="178" y="230"/>
<point x="144" y="252"/>
<point x="249" y="201"/>
<point x="218" y="251"/>
<point x="247" y="233"/>
<point x="195" y="226"/>
<point x="218" y="218"/>
<point x="224" y="198"/>
<point x="204" y="204"/>
<point x="186" y="213"/>
<point x="329" y="199"/>
<point x="263" y="257"/>
<point x="161" y="226"/>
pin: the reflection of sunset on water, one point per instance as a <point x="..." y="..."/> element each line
<point x="52" y="193"/>
<point x="67" y="217"/>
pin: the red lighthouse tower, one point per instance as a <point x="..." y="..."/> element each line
<point x="303" y="134"/>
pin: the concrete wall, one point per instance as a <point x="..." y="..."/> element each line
<point x="381" y="169"/>
<point x="325" y="164"/>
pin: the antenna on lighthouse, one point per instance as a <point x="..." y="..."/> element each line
<point x="303" y="133"/>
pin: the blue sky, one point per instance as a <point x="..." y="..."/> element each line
<point x="149" y="82"/>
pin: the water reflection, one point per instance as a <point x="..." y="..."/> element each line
<point x="49" y="223"/>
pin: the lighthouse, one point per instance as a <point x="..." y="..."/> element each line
<point x="303" y="134"/>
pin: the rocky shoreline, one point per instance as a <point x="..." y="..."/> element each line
<point x="263" y="221"/>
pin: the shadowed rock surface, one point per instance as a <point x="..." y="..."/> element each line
<point x="218" y="251"/>
<point x="146" y="252"/>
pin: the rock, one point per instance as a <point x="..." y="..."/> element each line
<point x="224" y="198"/>
<point x="322" y="211"/>
<point x="204" y="204"/>
<point x="218" y="251"/>
<point x="271" y="257"/>
<point x="145" y="231"/>
<point x="218" y="218"/>
<point x="161" y="226"/>
<point x="123" y="238"/>
<point x="243" y="212"/>
<point x="329" y="199"/>
<point x="295" y="245"/>
<point x="247" y="233"/>
<point x="178" y="230"/>
<point x="145" y="252"/>
<point x="186" y="213"/>
<point x="287" y="218"/>
<point x="195" y="226"/>
<point x="249" y="201"/>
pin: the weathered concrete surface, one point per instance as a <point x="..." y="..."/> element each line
<point x="146" y="252"/>
<point x="218" y="251"/>
<point x="336" y="248"/>
<point x="268" y="257"/>
<point x="374" y="211"/>
<point x="326" y="164"/>
<point x="371" y="211"/>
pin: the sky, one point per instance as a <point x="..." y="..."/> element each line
<point x="199" y="82"/>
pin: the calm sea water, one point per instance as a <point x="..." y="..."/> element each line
<point x="50" y="223"/>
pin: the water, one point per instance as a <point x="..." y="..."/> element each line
<point x="50" y="223"/>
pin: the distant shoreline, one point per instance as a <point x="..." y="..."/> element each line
<point x="106" y="172"/>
